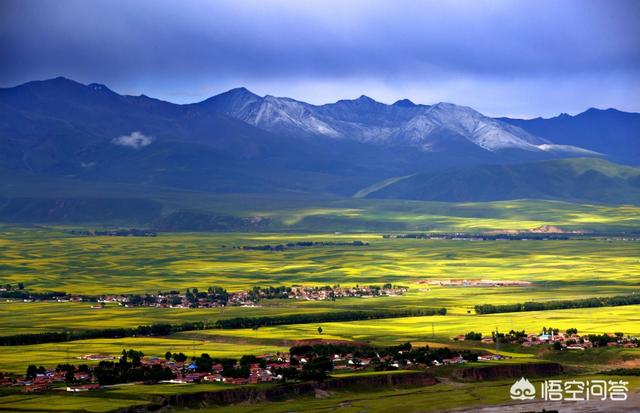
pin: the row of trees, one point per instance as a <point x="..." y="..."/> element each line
<point x="256" y="322"/>
<point x="560" y="304"/>
<point x="22" y="294"/>
<point x="601" y="340"/>
<point x="514" y="335"/>
<point x="9" y="287"/>
<point x="486" y="237"/>
<point x="162" y="329"/>
<point x="144" y="331"/>
<point x="303" y="244"/>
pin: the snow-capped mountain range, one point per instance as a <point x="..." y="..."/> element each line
<point x="432" y="128"/>
<point x="239" y="142"/>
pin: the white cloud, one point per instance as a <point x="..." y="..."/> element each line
<point x="134" y="140"/>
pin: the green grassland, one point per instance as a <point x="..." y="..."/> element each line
<point x="66" y="403"/>
<point x="13" y="358"/>
<point x="435" y="330"/>
<point x="394" y="331"/>
<point x="49" y="258"/>
<point x="369" y="214"/>
<point x="441" y="397"/>
<point x="438" y="398"/>
<point x="121" y="396"/>
<point x="127" y="204"/>
<point x="52" y="260"/>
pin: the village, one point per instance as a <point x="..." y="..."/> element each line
<point x="476" y="283"/>
<point x="218" y="297"/>
<point x="211" y="298"/>
<point x="304" y="362"/>
<point x="568" y="340"/>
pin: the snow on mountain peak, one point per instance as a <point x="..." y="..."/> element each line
<point x="363" y="119"/>
<point x="288" y="115"/>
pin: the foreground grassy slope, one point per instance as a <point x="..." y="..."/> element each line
<point x="449" y="396"/>
<point x="445" y="396"/>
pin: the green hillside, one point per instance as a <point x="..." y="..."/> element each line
<point x="28" y="199"/>
<point x="578" y="180"/>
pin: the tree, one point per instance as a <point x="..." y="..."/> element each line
<point x="69" y="377"/>
<point x="135" y="300"/>
<point x="319" y="330"/>
<point x="472" y="335"/>
<point x="167" y="355"/>
<point x="180" y="357"/>
<point x="204" y="363"/>
<point x="248" y="359"/>
<point x="32" y="371"/>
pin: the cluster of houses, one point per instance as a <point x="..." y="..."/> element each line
<point x="263" y="369"/>
<point x="329" y="293"/>
<point x="543" y="233"/>
<point x="183" y="372"/>
<point x="569" y="340"/>
<point x="121" y="232"/>
<point x="214" y="297"/>
<point x="194" y="298"/>
<point x="47" y="379"/>
<point x="476" y="283"/>
<point x="187" y="372"/>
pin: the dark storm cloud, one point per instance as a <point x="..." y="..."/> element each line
<point x="503" y="57"/>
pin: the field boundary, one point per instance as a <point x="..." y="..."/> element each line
<point x="160" y="330"/>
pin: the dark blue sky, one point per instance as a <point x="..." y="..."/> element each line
<point x="517" y="58"/>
